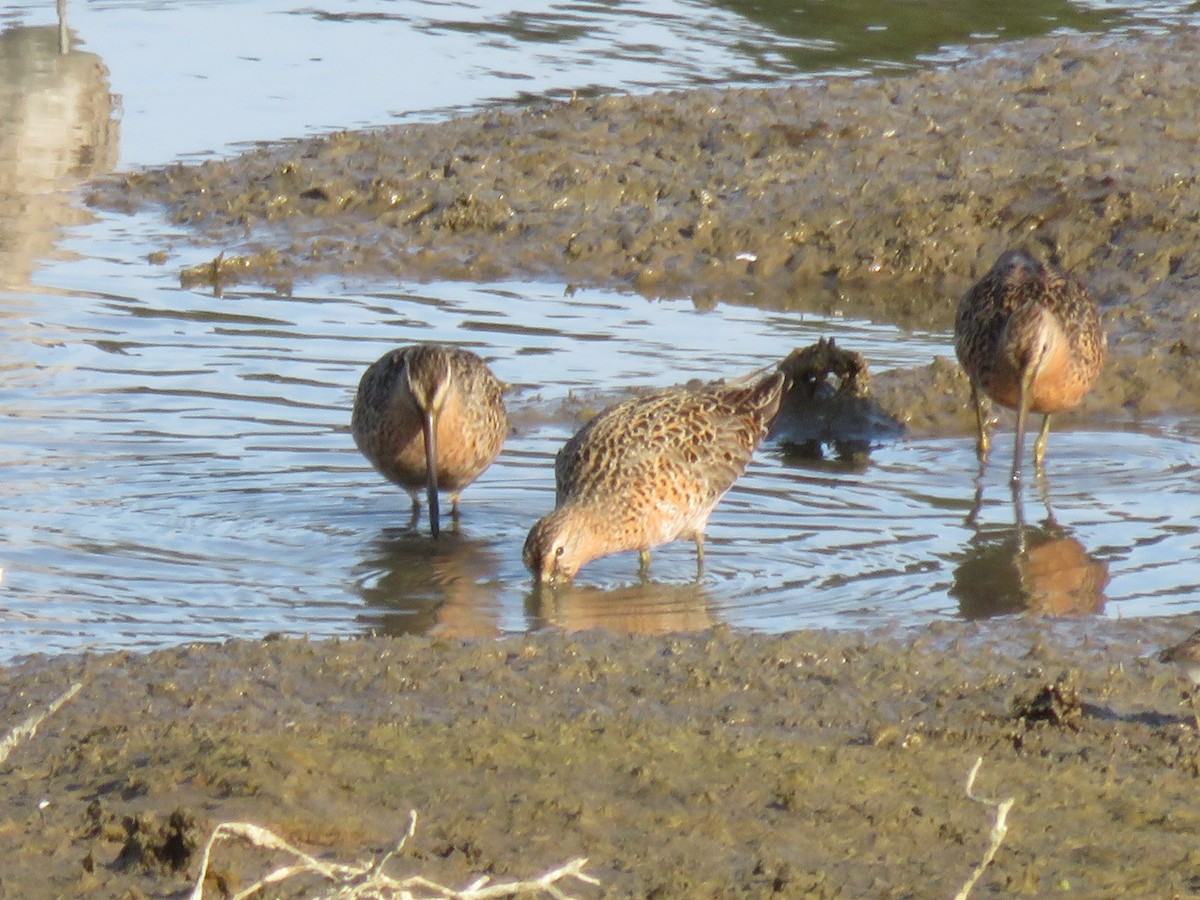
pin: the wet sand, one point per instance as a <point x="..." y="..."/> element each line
<point x="715" y="764"/>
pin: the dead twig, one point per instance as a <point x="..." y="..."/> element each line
<point x="368" y="881"/>
<point x="999" y="829"/>
<point x="29" y="727"/>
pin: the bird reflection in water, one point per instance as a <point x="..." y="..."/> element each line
<point x="413" y="586"/>
<point x="645" y="607"/>
<point x="1040" y="569"/>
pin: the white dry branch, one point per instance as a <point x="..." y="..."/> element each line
<point x="999" y="829"/>
<point x="368" y="881"/>
<point x="29" y="727"/>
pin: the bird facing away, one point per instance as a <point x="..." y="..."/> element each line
<point x="430" y="417"/>
<point x="1029" y="337"/>
<point x="649" y="470"/>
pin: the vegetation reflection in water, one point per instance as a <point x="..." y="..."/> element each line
<point x="865" y="35"/>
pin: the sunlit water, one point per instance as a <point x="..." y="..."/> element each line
<point x="178" y="466"/>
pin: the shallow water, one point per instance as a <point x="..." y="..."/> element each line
<point x="197" y="77"/>
<point x="178" y="466"/>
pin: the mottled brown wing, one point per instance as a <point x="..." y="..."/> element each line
<point x="691" y="444"/>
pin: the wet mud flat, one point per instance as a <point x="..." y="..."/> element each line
<point x="813" y="764"/>
<point x="714" y="764"/>
<point x="881" y="198"/>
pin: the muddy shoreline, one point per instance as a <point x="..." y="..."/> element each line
<point x="813" y="764"/>
<point x="880" y="198"/>
<point x="714" y="764"/>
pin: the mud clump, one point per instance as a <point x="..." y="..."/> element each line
<point x="829" y="405"/>
<point x="157" y="847"/>
<point x="1057" y="704"/>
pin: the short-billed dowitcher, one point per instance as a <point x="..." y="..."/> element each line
<point x="1029" y="337"/>
<point x="650" y="470"/>
<point x="430" y="417"/>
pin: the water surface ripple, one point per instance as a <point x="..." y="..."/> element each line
<point x="177" y="466"/>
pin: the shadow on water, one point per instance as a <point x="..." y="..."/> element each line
<point x="56" y="128"/>
<point x="412" y="584"/>
<point x="1040" y="568"/>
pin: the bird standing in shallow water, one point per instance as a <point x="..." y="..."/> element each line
<point x="1029" y="337"/>
<point x="648" y="471"/>
<point x="430" y="417"/>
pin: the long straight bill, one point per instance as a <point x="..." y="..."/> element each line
<point x="429" y="426"/>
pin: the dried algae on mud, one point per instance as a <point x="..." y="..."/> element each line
<point x="875" y="197"/>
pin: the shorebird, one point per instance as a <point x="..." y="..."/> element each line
<point x="649" y="470"/>
<point x="1186" y="657"/>
<point x="430" y="417"/>
<point x="1029" y="337"/>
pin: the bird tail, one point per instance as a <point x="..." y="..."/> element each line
<point x="758" y="394"/>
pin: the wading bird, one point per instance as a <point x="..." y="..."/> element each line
<point x="430" y="417"/>
<point x="650" y="470"/>
<point x="1029" y="337"/>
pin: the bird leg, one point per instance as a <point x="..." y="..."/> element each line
<point x="1039" y="446"/>
<point x="1043" y="487"/>
<point x="643" y="562"/>
<point x="699" y="554"/>
<point x="1018" y="502"/>
<point x="972" y="519"/>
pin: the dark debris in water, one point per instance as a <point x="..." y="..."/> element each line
<point x="830" y="404"/>
<point x="811" y="367"/>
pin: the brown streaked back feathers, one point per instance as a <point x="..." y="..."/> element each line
<point x="1003" y="316"/>
<point x="398" y="389"/>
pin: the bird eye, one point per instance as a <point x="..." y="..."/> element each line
<point x="559" y="551"/>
